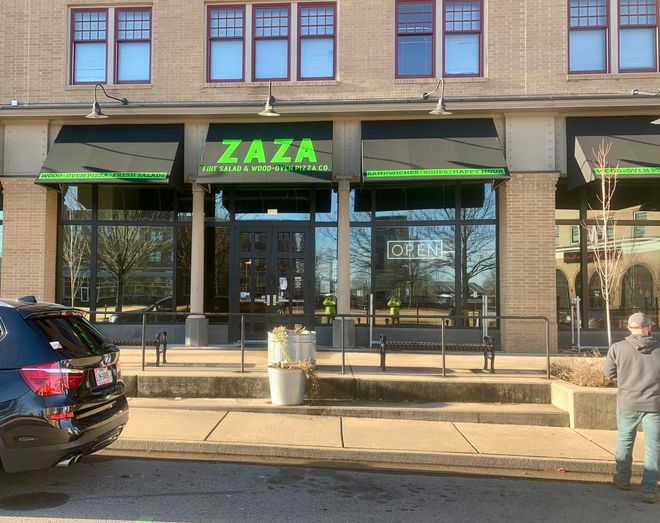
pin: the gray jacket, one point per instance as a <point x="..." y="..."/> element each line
<point x="635" y="363"/>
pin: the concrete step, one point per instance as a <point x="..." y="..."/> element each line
<point x="379" y="388"/>
<point x="510" y="413"/>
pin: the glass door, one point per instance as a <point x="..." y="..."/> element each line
<point x="271" y="280"/>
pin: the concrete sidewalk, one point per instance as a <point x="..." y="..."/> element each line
<point x="218" y="428"/>
<point x="393" y="434"/>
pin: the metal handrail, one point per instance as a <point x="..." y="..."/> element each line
<point x="296" y="318"/>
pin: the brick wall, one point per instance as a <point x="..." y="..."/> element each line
<point x="29" y="240"/>
<point x="527" y="261"/>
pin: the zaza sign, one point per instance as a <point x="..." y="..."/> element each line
<point x="415" y="250"/>
<point x="262" y="153"/>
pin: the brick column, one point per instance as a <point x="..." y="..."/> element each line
<point x="527" y="261"/>
<point x="29" y="245"/>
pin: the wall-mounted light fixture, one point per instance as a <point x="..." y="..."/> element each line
<point x="96" y="107"/>
<point x="636" y="92"/>
<point x="268" y="107"/>
<point x="440" y="108"/>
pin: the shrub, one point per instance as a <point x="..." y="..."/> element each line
<point x="582" y="371"/>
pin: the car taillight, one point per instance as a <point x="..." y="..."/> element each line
<point x="50" y="379"/>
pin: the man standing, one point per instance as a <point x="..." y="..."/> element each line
<point x="635" y="363"/>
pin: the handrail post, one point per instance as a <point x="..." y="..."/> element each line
<point x="442" y="344"/>
<point x="144" y="336"/>
<point x="343" y="348"/>
<point x="242" y="343"/>
<point x="547" y="346"/>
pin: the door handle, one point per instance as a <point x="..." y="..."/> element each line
<point x="268" y="300"/>
<point x="274" y="299"/>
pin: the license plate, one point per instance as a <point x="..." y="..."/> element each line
<point x="103" y="376"/>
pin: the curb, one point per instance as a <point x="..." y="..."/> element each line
<point x="369" y="456"/>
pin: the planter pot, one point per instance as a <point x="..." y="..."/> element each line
<point x="287" y="386"/>
<point x="301" y="347"/>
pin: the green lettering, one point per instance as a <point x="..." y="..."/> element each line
<point x="227" y="157"/>
<point x="306" y="150"/>
<point x="256" y="151"/>
<point x="284" y="144"/>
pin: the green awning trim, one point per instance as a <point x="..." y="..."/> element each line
<point x="103" y="176"/>
<point x="628" y="171"/>
<point x="436" y="172"/>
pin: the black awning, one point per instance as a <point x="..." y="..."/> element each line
<point x="115" y="154"/>
<point x="432" y="149"/>
<point x="289" y="153"/>
<point x="634" y="152"/>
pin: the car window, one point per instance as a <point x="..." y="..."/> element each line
<point x="75" y="335"/>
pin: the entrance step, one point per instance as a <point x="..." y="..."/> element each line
<point x="510" y="413"/>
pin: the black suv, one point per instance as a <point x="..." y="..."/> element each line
<point x="61" y="394"/>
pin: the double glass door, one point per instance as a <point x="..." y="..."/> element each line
<point x="272" y="282"/>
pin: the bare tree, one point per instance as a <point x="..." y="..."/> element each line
<point x="605" y="248"/>
<point x="75" y="254"/>
<point x="126" y="248"/>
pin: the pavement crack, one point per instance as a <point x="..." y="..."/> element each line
<point x="341" y="431"/>
<point x="466" y="438"/>
<point x="216" y="426"/>
<point x="592" y="441"/>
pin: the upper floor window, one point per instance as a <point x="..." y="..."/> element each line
<point x="271" y="42"/>
<point x="89" y="45"/>
<point x="226" y="43"/>
<point x="92" y="29"/>
<point x="588" y="35"/>
<point x="461" y="36"/>
<point x="415" y="38"/>
<point x="638" y="28"/>
<point x="133" y="45"/>
<point x="317" y="41"/>
<point x="462" y="44"/>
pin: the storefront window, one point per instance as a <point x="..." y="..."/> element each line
<point x="136" y="204"/>
<point x="75" y="248"/>
<point x="360" y="239"/>
<point x="326" y="205"/>
<point x="273" y="205"/>
<point x="77" y="202"/>
<point x="325" y="268"/>
<point x="216" y="281"/>
<point x="415" y="204"/>
<point x="634" y="236"/>
<point x="135" y="268"/>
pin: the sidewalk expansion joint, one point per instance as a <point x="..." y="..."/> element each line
<point x="216" y="426"/>
<point x="465" y="438"/>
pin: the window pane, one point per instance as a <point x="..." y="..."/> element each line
<point x="135" y="268"/>
<point x="478" y="271"/>
<point x="77" y="202"/>
<point x="587" y="51"/>
<point x="227" y="60"/>
<point x="462" y="54"/>
<point x="90" y="63"/>
<point x="135" y="204"/>
<point x="316" y="58"/>
<point x="75" y="248"/>
<point x="415" y="55"/>
<point x="360" y="267"/>
<point x="637" y="48"/>
<point x="325" y="262"/>
<point x="133" y="61"/>
<point x="271" y="58"/>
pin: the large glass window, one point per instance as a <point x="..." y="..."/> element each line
<point x="133" y="45"/>
<point x="325" y="267"/>
<point x="638" y="27"/>
<point x="317" y="41"/>
<point x="414" y="38"/>
<point x="634" y="237"/>
<point x="462" y="24"/>
<point x="271" y="43"/>
<point x="430" y="251"/>
<point x="89" y="46"/>
<point x="118" y="248"/>
<point x="226" y="43"/>
<point x="588" y="36"/>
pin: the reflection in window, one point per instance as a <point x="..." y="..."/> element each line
<point x="77" y="202"/>
<point x="75" y="248"/>
<point x="136" y="204"/>
<point x="216" y="282"/>
<point x="325" y="266"/>
<point x="360" y="239"/>
<point x="127" y="278"/>
<point x="638" y="289"/>
<point x="478" y="267"/>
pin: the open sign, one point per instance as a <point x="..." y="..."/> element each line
<point x="415" y="250"/>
